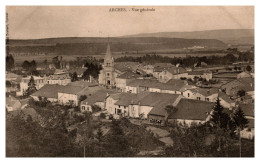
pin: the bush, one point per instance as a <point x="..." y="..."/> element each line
<point x="102" y="115"/>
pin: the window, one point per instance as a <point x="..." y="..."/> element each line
<point x="188" y="94"/>
<point x="198" y="98"/>
<point x="83" y="108"/>
<point x="115" y="110"/>
<point x="107" y="74"/>
<point x="207" y="99"/>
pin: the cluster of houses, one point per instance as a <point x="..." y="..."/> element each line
<point x="127" y="90"/>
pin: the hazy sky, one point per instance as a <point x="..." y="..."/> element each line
<point x="46" y="22"/>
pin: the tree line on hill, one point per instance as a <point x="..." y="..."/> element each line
<point x="189" y="61"/>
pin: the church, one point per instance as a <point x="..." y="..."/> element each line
<point x="108" y="74"/>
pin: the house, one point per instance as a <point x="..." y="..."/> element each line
<point x="231" y="88"/>
<point x="226" y="101"/>
<point x="12" y="104"/>
<point x="173" y="86"/>
<point x="10" y="76"/>
<point x="249" y="112"/>
<point x="50" y="91"/>
<point x="201" y="94"/>
<point x="159" y="67"/>
<point x="59" y="78"/>
<point x="244" y="74"/>
<point x="123" y="79"/>
<point x="191" y="112"/>
<point x="140" y="85"/>
<point x="80" y="71"/>
<point x="39" y="82"/>
<point x="199" y="74"/>
<point x="159" y="101"/>
<point x="139" y="105"/>
<point x="69" y="95"/>
<point x="98" y="98"/>
<point x="172" y="73"/>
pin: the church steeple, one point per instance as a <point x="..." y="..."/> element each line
<point x="108" y="60"/>
<point x="108" y="53"/>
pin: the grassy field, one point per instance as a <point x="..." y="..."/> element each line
<point x="41" y="58"/>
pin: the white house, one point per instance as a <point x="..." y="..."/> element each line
<point x="69" y="95"/>
<point x="61" y="79"/>
<point x="201" y="94"/>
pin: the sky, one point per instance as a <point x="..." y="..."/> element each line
<point x="33" y="22"/>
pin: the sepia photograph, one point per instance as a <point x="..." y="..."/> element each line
<point x="129" y="81"/>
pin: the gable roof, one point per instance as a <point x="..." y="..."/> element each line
<point x="68" y="89"/>
<point x="173" y="84"/>
<point x="176" y="70"/>
<point x="189" y="109"/>
<point x="225" y="97"/>
<point x="205" y="92"/>
<point x="159" y="101"/>
<point x="248" y="109"/>
<point x="129" y="75"/>
<point x="79" y="71"/>
<point x="98" y="96"/>
<point x="49" y="91"/>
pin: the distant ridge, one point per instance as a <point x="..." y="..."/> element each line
<point x="226" y="35"/>
<point x="97" y="45"/>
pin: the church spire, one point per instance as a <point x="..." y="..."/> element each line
<point x="108" y="55"/>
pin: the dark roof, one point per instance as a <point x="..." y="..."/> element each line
<point x="159" y="101"/>
<point x="225" y="97"/>
<point x="129" y="75"/>
<point x="90" y="90"/>
<point x="248" y="109"/>
<point x="79" y="71"/>
<point x="49" y="91"/>
<point x="173" y="84"/>
<point x="98" y="96"/>
<point x="189" y="109"/>
<point x="71" y="89"/>
<point x="126" y="66"/>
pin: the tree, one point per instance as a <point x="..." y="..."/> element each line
<point x="26" y="65"/>
<point x="31" y="87"/>
<point x="240" y="122"/>
<point x="248" y="68"/>
<point x="221" y="121"/>
<point x="9" y="62"/>
<point x="74" y="77"/>
<point x="241" y="93"/>
<point x="82" y="98"/>
<point x="8" y="84"/>
<point x="117" y="144"/>
<point x="170" y="110"/>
